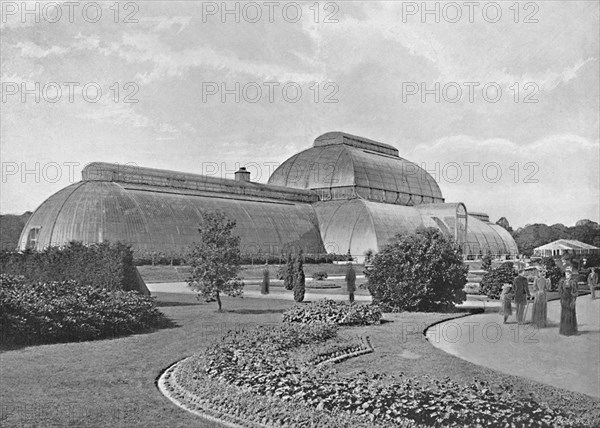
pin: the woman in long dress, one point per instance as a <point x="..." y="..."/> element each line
<point x="568" y="297"/>
<point x="540" y="308"/>
<point x="505" y="301"/>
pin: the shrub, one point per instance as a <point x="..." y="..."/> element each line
<point x="65" y="311"/>
<point x="486" y="261"/>
<point x="493" y="280"/>
<point x="289" y="273"/>
<point x="299" y="279"/>
<point x="420" y="272"/>
<point x="319" y="276"/>
<point x="553" y="272"/>
<point x="105" y="265"/>
<point x="332" y="312"/>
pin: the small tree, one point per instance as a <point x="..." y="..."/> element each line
<point x="264" y="289"/>
<point x="486" y="261"/>
<point x="368" y="256"/>
<point x="420" y="272"/>
<point x="215" y="260"/>
<point x="299" y="279"/>
<point x="289" y="273"/>
<point x="493" y="280"/>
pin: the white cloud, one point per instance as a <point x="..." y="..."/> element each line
<point x="553" y="179"/>
<point x="32" y="50"/>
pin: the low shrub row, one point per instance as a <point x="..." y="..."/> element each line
<point x="260" y="364"/>
<point x="105" y="265"/>
<point x="65" y="311"/>
<point x="332" y="312"/>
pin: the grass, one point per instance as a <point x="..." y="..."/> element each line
<point x="162" y="273"/>
<point x="112" y="382"/>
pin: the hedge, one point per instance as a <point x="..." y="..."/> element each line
<point x="105" y="265"/>
<point x="65" y="311"/>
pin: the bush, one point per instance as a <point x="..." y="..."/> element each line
<point x="493" y="280"/>
<point x="319" y="276"/>
<point x="105" y="265"/>
<point x="65" y="311"/>
<point x="420" y="272"/>
<point x="553" y="272"/>
<point x="299" y="279"/>
<point x="289" y="273"/>
<point x="332" y="312"/>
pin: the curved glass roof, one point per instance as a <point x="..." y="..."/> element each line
<point x="346" y="162"/>
<point x="163" y="219"/>
<point x="483" y="237"/>
<point x="358" y="225"/>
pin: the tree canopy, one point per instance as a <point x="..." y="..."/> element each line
<point x="419" y="272"/>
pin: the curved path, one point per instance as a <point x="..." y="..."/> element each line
<point x="572" y="363"/>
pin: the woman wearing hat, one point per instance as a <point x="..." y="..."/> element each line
<point x="505" y="301"/>
<point x="568" y="297"/>
<point x="540" y="309"/>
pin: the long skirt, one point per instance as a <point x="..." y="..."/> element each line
<point x="568" y="320"/>
<point x="540" y="310"/>
<point x="505" y="307"/>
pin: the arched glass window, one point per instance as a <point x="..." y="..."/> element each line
<point x="32" y="238"/>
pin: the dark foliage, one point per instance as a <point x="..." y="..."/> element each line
<point x="266" y="385"/>
<point x="319" y="276"/>
<point x="332" y="312"/>
<point x="503" y="222"/>
<point x="536" y="235"/>
<point x="11" y="227"/>
<point x="553" y="272"/>
<point x="493" y="280"/>
<point x="289" y="273"/>
<point x="105" y="265"/>
<point x="299" y="279"/>
<point x="65" y="311"/>
<point x="486" y="261"/>
<point x="420" y="272"/>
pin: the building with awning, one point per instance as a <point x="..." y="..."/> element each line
<point x="563" y="246"/>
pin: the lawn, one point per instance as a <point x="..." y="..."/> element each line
<point x="112" y="382"/>
<point x="161" y="273"/>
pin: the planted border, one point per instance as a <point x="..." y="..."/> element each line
<point x="332" y="312"/>
<point x="259" y="380"/>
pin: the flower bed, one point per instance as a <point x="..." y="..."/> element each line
<point x="330" y="311"/>
<point x="66" y="311"/>
<point x="254" y="376"/>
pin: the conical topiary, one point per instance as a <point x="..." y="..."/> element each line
<point x="300" y="279"/>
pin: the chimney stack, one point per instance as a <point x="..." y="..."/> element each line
<point x="242" y="174"/>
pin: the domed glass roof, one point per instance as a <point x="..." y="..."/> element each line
<point x="372" y="170"/>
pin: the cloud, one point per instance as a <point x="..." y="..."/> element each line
<point x="32" y="50"/>
<point x="553" y="179"/>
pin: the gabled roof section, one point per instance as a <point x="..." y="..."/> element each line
<point x="567" y="244"/>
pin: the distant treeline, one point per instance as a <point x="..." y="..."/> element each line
<point x="10" y="229"/>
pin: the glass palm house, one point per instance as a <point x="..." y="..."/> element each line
<point x="343" y="194"/>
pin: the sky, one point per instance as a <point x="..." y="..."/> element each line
<point x="499" y="102"/>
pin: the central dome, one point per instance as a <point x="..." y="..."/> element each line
<point x="341" y="165"/>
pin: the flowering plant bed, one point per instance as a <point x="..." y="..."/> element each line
<point x="330" y="311"/>
<point x="255" y="378"/>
